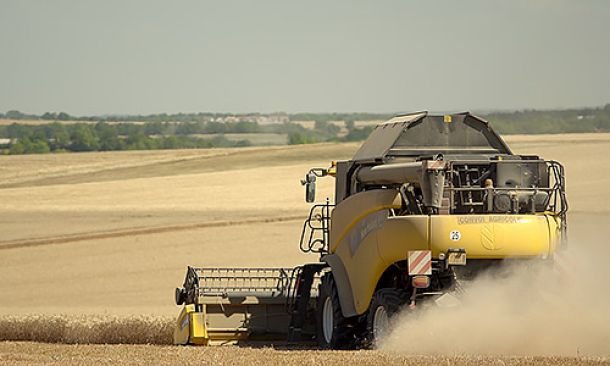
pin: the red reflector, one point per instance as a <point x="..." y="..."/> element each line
<point x="420" y="281"/>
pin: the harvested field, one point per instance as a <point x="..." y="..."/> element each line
<point x="15" y="353"/>
<point x="96" y="241"/>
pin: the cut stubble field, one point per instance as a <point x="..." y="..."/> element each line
<point x="110" y="234"/>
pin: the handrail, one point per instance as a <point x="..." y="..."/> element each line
<point x="315" y="238"/>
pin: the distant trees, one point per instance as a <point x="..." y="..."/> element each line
<point x="358" y="134"/>
<point x="298" y="138"/>
<point x="83" y="138"/>
<point x="108" y="137"/>
<point x="27" y="146"/>
<point x="202" y="130"/>
<point x="562" y="121"/>
<point x="526" y="121"/>
<point x="327" y="128"/>
<point x="52" y="116"/>
<point x="103" y="136"/>
<point x="15" y="115"/>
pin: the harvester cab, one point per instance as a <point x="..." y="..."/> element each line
<point x="425" y="203"/>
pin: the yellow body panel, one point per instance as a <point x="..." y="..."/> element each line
<point x="378" y="250"/>
<point x="491" y="236"/>
<point x="356" y="208"/>
<point x="401" y="234"/>
<point x="354" y="239"/>
<point x="374" y="239"/>
<point x="364" y="268"/>
<point x="191" y="327"/>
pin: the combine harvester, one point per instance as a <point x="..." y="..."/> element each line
<point x="425" y="203"/>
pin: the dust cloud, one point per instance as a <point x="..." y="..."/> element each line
<point x="523" y="309"/>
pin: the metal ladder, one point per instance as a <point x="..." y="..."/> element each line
<point x="298" y="307"/>
<point x="316" y="229"/>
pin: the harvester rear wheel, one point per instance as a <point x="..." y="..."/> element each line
<point x="334" y="331"/>
<point x="385" y="304"/>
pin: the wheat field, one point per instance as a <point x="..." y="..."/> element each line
<point x="93" y="244"/>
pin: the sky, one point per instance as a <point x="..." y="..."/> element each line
<point x="140" y="57"/>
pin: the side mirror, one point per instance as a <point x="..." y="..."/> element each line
<point x="310" y="187"/>
<point x="310" y="192"/>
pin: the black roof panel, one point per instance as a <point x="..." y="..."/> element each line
<point x="420" y="133"/>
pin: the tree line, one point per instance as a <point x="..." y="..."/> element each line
<point x="104" y="136"/>
<point x="524" y="121"/>
<point x="180" y="131"/>
<point x="559" y="121"/>
<point x="58" y="137"/>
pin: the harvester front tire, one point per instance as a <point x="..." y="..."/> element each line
<point x="334" y="331"/>
<point x="385" y="304"/>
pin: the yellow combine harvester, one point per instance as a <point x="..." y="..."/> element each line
<point x="426" y="203"/>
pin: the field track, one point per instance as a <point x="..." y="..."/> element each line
<point x="139" y="231"/>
